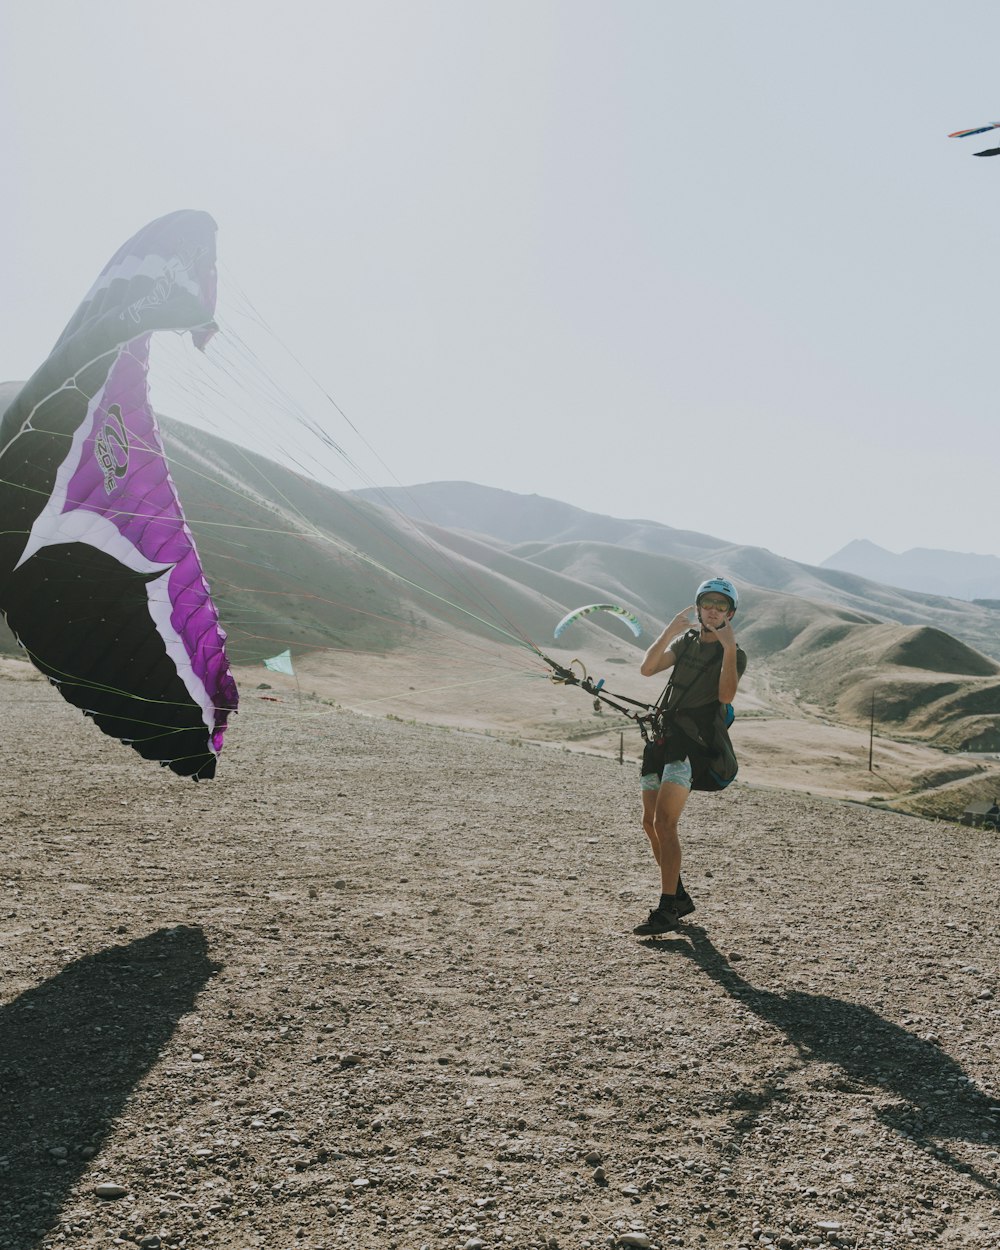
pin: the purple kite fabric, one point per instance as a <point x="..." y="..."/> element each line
<point x="100" y="580"/>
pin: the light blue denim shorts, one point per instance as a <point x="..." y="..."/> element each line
<point x="677" y="772"/>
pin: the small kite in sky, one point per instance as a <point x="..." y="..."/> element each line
<point x="978" y="130"/>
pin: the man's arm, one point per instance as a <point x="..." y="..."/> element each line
<point x="659" y="656"/>
<point x="729" y="677"/>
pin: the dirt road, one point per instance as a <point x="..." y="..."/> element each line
<point x="376" y="986"/>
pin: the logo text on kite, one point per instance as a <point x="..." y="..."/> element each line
<point x="111" y="448"/>
<point x="162" y="289"/>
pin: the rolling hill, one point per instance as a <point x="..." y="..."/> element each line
<point x="387" y="612"/>
<point x="504" y="517"/>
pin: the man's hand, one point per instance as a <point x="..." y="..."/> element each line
<point x="659" y="656"/>
<point x="681" y="623"/>
<point x="722" y="633"/>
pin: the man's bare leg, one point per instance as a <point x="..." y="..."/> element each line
<point x="649" y="798"/>
<point x="670" y="800"/>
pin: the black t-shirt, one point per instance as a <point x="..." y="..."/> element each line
<point x="692" y="694"/>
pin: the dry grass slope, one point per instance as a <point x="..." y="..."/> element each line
<point x="383" y="613"/>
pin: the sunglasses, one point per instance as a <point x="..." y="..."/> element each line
<point x="720" y="605"/>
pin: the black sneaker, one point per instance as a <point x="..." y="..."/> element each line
<point x="653" y="913"/>
<point x="684" y="903"/>
<point x="661" y="920"/>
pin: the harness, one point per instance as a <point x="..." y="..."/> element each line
<point x="714" y="764"/>
<point x="652" y="718"/>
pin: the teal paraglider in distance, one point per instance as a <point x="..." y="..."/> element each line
<point x="630" y="619"/>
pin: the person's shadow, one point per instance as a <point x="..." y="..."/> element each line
<point x="72" y="1050"/>
<point x="933" y="1097"/>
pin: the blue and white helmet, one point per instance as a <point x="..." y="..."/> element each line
<point x="719" y="586"/>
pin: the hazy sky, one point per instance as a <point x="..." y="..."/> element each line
<point x="712" y="264"/>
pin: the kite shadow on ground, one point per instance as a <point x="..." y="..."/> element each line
<point x="930" y="1097"/>
<point x="72" y="1050"/>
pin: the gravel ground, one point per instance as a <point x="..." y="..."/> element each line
<point x="376" y="986"/>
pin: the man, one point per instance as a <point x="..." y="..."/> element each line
<point x="707" y="667"/>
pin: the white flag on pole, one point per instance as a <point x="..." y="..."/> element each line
<point x="281" y="663"/>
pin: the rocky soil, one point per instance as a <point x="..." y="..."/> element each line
<point x="376" y="986"/>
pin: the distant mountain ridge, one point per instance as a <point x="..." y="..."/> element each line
<point x="560" y="532"/>
<point x="960" y="575"/>
<point x="515" y="519"/>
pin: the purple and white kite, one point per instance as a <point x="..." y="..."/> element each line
<point x="100" y="580"/>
